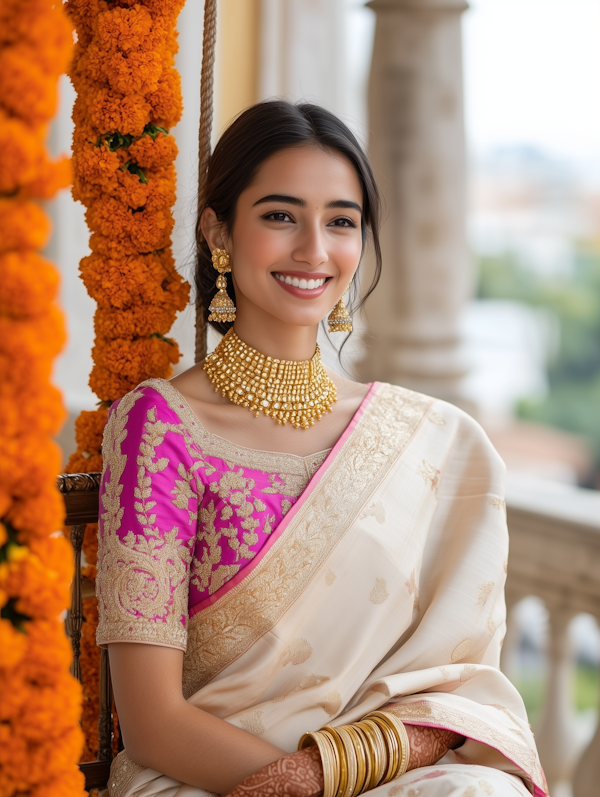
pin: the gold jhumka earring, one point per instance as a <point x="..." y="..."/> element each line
<point x="221" y="308"/>
<point x="339" y="318"/>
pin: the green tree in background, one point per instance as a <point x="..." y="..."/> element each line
<point x="573" y="401"/>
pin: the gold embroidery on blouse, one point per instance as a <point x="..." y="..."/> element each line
<point x="299" y="650"/>
<point x="485" y="590"/>
<point x="445" y="673"/>
<point x="491" y="625"/>
<point x="436" y="418"/>
<point x="331" y="704"/>
<point x="430" y="475"/>
<point x="379" y="593"/>
<point x="306" y="683"/>
<point x="413" y="589"/>
<point x="486" y="786"/>
<point x="122" y="771"/>
<point x="252" y="722"/>
<point x="232" y="454"/>
<point x="330" y="577"/>
<point x="461" y="650"/>
<point x="225" y="630"/>
<point x="474" y="728"/>
<point x="471" y="791"/>
<point x="468" y="671"/>
<point x="142" y="578"/>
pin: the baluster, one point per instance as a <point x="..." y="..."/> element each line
<point x="556" y="738"/>
<point x="586" y="780"/>
<point x="75" y="620"/>
<point x="511" y="640"/>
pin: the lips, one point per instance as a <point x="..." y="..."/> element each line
<point x="294" y="284"/>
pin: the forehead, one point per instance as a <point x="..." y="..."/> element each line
<point x="308" y="172"/>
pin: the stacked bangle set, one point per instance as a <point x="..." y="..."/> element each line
<point x="356" y="758"/>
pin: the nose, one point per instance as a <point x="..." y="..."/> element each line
<point x="310" y="247"/>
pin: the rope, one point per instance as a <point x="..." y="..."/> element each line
<point x="209" y="40"/>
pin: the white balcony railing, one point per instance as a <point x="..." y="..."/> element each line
<point x="555" y="556"/>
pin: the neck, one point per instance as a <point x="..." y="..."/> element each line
<point x="273" y="338"/>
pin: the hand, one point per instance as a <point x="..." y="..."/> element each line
<point x="428" y="745"/>
<point x="296" y="775"/>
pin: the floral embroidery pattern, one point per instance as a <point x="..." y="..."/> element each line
<point x="178" y="522"/>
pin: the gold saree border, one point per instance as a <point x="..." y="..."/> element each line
<point x="423" y="712"/>
<point x="122" y="771"/>
<point x="224" y="631"/>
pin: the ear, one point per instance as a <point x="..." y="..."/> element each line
<point x="213" y="230"/>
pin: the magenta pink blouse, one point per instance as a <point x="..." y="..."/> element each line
<point x="183" y="511"/>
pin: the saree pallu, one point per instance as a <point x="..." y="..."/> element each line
<point x="382" y="586"/>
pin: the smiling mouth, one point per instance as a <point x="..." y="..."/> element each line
<point x="303" y="284"/>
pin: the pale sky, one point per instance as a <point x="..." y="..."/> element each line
<point x="532" y="75"/>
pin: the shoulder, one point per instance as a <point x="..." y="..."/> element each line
<point x="451" y="433"/>
<point x="153" y="396"/>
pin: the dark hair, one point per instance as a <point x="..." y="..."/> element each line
<point x="256" y="134"/>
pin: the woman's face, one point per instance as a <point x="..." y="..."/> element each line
<point x="296" y="240"/>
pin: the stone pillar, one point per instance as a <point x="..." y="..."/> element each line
<point x="556" y="738"/>
<point x="418" y="151"/>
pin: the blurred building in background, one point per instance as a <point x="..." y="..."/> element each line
<point x="490" y="295"/>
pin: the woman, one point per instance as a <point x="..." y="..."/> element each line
<point x="293" y="549"/>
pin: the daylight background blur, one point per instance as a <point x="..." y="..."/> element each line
<point x="530" y="331"/>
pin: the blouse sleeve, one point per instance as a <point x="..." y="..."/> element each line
<point x="147" y="524"/>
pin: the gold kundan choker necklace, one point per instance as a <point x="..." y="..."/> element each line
<point x="285" y="390"/>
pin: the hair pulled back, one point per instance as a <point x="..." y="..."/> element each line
<point x="256" y="134"/>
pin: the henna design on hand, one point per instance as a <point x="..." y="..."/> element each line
<point x="296" y="775"/>
<point x="428" y="745"/>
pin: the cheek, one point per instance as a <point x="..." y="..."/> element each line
<point x="347" y="251"/>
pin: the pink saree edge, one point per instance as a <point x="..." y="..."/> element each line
<point x="293" y="511"/>
<point x="539" y="791"/>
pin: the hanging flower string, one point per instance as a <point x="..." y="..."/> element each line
<point x="128" y="100"/>
<point x="40" y="736"/>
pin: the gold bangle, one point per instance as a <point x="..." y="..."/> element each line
<point x="378" y="748"/>
<point x="392" y="745"/>
<point x="361" y="759"/>
<point x="336" y="758"/>
<point x="364" y="742"/>
<point x="341" y="754"/>
<point x="346" y="740"/>
<point x="400" y="729"/>
<point x="326" y="759"/>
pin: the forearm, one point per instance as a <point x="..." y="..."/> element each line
<point x="428" y="745"/>
<point x="196" y="748"/>
<point x="163" y="731"/>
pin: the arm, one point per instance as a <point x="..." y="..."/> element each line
<point x="163" y="731"/>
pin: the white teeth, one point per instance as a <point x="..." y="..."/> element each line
<point x="307" y="285"/>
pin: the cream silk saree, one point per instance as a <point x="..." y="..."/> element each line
<point x="382" y="585"/>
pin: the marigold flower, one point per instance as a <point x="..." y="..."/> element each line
<point x="155" y="153"/>
<point x="166" y="100"/>
<point x="23" y="225"/>
<point x="29" y="282"/>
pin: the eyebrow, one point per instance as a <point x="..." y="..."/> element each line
<point x="301" y="203"/>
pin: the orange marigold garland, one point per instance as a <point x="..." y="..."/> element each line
<point x="40" y="736"/>
<point x="128" y="99"/>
